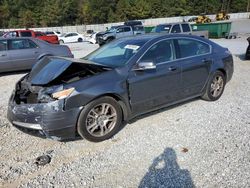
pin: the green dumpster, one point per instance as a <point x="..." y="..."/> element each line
<point x="148" y="29"/>
<point x="215" y="30"/>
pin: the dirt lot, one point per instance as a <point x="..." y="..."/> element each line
<point x="198" y="143"/>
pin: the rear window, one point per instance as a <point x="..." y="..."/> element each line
<point x="185" y="28"/>
<point x="38" y="34"/>
<point x="176" y="29"/>
<point x="189" y="48"/>
<point x="49" y="33"/>
<point x="26" y="34"/>
<point x="127" y="29"/>
<point x="139" y="28"/>
<point x="19" y="44"/>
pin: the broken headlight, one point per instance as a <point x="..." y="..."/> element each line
<point x="63" y="94"/>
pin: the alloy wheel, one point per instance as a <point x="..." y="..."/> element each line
<point x="217" y="86"/>
<point x="101" y="120"/>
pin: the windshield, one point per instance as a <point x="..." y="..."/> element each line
<point x="112" y="29"/>
<point x="163" y="28"/>
<point x="117" y="53"/>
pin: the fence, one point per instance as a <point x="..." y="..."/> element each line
<point x="147" y="22"/>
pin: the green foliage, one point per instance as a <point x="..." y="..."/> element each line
<point x="32" y="13"/>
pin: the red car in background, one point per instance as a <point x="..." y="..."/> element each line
<point x="53" y="39"/>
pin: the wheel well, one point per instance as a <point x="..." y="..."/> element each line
<point x="224" y="72"/>
<point x="120" y="102"/>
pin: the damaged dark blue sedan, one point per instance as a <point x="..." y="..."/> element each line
<point x="92" y="97"/>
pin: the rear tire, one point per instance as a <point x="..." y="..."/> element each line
<point x="80" y="40"/>
<point x="215" y="87"/>
<point x="61" y="42"/>
<point x="100" y="119"/>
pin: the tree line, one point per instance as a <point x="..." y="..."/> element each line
<point x="46" y="13"/>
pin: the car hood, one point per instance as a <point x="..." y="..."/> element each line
<point x="49" y="69"/>
<point x="104" y="33"/>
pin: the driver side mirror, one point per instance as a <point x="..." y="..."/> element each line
<point x="145" y="66"/>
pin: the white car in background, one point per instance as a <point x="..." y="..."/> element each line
<point x="71" y="37"/>
<point x="92" y="39"/>
<point x="57" y="33"/>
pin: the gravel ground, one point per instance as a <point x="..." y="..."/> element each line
<point x="197" y="143"/>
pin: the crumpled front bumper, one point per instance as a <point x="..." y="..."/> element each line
<point x="48" y="120"/>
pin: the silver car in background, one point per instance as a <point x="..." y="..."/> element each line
<point x="18" y="54"/>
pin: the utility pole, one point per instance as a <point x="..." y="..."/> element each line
<point x="206" y="8"/>
<point x="248" y="6"/>
<point x="228" y="6"/>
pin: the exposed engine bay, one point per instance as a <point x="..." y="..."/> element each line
<point x="29" y="91"/>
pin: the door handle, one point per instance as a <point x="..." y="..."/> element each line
<point x="172" y="69"/>
<point x="3" y="55"/>
<point x="35" y="52"/>
<point x="206" y="60"/>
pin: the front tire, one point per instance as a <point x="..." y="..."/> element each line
<point x="61" y="42"/>
<point x="215" y="87"/>
<point x="100" y="119"/>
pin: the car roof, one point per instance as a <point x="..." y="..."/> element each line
<point x="159" y="36"/>
<point x="172" y="23"/>
<point x="11" y="38"/>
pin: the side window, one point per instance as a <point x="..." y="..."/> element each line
<point x="69" y="35"/>
<point x="120" y="30"/>
<point x="32" y="44"/>
<point x="25" y="34"/>
<point x="185" y="27"/>
<point x="20" y="44"/>
<point x="160" y="52"/>
<point x="3" y="45"/>
<point x="11" y="34"/>
<point x="189" y="47"/>
<point x="49" y="33"/>
<point x="176" y="29"/>
<point x="74" y="34"/>
<point x="39" y="34"/>
<point x="127" y="29"/>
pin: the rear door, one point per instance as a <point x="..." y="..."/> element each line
<point x="23" y="53"/>
<point x="69" y="38"/>
<point x="120" y="32"/>
<point x="4" y="57"/>
<point x="127" y="31"/>
<point x="74" y="37"/>
<point x="196" y="59"/>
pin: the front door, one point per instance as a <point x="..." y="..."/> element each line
<point x="23" y="53"/>
<point x="4" y="57"/>
<point x="149" y="89"/>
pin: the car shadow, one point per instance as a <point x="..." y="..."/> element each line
<point x="165" y="172"/>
